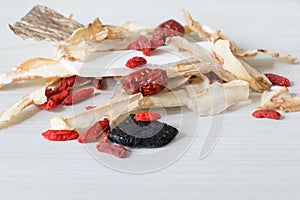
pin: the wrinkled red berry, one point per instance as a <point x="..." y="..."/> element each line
<point x="265" y="113"/>
<point x="106" y="146"/>
<point x="94" y="132"/>
<point x="60" y="135"/>
<point x="278" y="80"/>
<point x="147" y="81"/>
<point x="135" y="62"/>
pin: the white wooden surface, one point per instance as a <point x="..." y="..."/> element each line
<point x="254" y="159"/>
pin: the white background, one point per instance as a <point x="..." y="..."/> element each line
<point x="254" y="159"/>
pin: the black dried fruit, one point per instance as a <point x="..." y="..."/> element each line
<point x="142" y="134"/>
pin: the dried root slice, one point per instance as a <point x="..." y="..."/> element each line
<point x="207" y="62"/>
<point x="258" y="82"/>
<point x="37" y="96"/>
<point x="210" y="101"/>
<point x="42" y="23"/>
<point x="95" y="37"/>
<point x="218" y="97"/>
<point x="38" y="68"/>
<point x="280" y="98"/>
<point x="249" y="53"/>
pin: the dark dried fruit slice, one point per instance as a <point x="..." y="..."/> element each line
<point x="142" y="134"/>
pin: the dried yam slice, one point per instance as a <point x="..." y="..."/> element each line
<point x="218" y="97"/>
<point x="37" y="96"/>
<point x="258" y="82"/>
<point x="38" y="68"/>
<point x="280" y="98"/>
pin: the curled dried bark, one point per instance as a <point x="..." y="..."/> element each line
<point x="42" y="23"/>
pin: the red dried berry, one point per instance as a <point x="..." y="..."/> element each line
<point x="265" y="113"/>
<point x="155" y="43"/>
<point x="49" y="92"/>
<point x="278" y="80"/>
<point x="135" y="62"/>
<point x="147" y="81"/>
<point x="94" y="132"/>
<point x="143" y="44"/>
<point x="54" y="100"/>
<point x="60" y="135"/>
<point x="64" y="84"/>
<point x="168" y="28"/>
<point x="134" y="46"/>
<point x="106" y="146"/>
<point x="147" y="116"/>
<point x="78" y="96"/>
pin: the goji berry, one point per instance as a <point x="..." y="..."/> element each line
<point x="106" y="146"/>
<point x="135" y="62"/>
<point x="147" y="81"/>
<point x="168" y="29"/>
<point x="94" y="132"/>
<point x="49" y="92"/>
<point x="265" y="113"/>
<point x="147" y="116"/>
<point x="78" y="96"/>
<point x="54" y="100"/>
<point x="60" y="135"/>
<point x="278" y="80"/>
<point x="64" y="84"/>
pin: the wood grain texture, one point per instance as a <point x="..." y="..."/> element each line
<point x="43" y="23"/>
